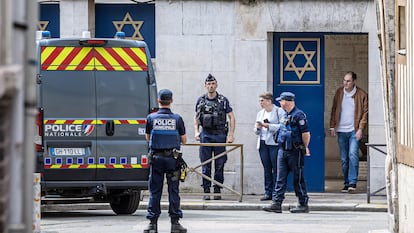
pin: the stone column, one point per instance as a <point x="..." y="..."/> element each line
<point x="77" y="16"/>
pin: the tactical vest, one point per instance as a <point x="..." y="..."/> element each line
<point x="164" y="134"/>
<point x="289" y="133"/>
<point x="211" y="114"/>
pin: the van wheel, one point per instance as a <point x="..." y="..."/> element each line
<point x="126" y="204"/>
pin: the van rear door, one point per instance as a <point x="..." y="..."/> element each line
<point x="123" y="102"/>
<point x="68" y="99"/>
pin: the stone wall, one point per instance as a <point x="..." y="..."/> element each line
<point x="5" y="123"/>
<point x="233" y="41"/>
<point x="405" y="198"/>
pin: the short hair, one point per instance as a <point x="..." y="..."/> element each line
<point x="267" y="96"/>
<point x="165" y="102"/>
<point x="353" y="75"/>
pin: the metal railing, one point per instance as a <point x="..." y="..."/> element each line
<point x="233" y="147"/>
<point x="369" y="193"/>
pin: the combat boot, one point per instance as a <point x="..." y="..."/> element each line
<point x="176" y="227"/>
<point x="300" y="209"/>
<point x="217" y="190"/>
<point x="206" y="197"/>
<point x="274" y="207"/>
<point x="152" y="227"/>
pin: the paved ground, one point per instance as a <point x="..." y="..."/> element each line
<point x="317" y="202"/>
<point x="218" y="221"/>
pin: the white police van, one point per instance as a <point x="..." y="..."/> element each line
<point x="93" y="97"/>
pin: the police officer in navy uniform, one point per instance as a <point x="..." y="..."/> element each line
<point x="212" y="110"/>
<point x="293" y="139"/>
<point x="165" y="132"/>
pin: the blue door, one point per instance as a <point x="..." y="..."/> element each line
<point x="299" y="68"/>
<point x="136" y="20"/>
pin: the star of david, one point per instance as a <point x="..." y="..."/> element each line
<point x="291" y="66"/>
<point x="42" y="25"/>
<point x="129" y="21"/>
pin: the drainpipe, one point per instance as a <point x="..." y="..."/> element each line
<point x="29" y="111"/>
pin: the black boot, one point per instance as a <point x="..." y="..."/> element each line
<point x="206" y="197"/>
<point x="274" y="207"/>
<point x="176" y="226"/>
<point x="300" y="209"/>
<point x="217" y="190"/>
<point x="152" y="227"/>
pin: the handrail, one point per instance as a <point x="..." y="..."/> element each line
<point x="375" y="147"/>
<point x="214" y="157"/>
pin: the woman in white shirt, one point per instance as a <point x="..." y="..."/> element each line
<point x="267" y="124"/>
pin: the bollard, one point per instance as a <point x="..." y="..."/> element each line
<point x="36" y="203"/>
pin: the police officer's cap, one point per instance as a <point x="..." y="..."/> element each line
<point x="288" y="96"/>
<point x="210" y="78"/>
<point x="165" y="94"/>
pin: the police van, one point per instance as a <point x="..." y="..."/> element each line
<point x="93" y="97"/>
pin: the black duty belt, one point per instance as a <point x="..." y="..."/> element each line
<point x="215" y="131"/>
<point x="165" y="153"/>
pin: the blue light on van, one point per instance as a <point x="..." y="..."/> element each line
<point x="120" y="35"/>
<point x="46" y="35"/>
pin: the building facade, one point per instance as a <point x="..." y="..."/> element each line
<point x="252" y="47"/>
<point x="404" y="137"/>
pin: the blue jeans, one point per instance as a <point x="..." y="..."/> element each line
<point x="268" y="156"/>
<point x="206" y="153"/>
<point x="348" y="150"/>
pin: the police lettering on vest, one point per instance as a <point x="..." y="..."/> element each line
<point x="164" y="124"/>
<point x="164" y="133"/>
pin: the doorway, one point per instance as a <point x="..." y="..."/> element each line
<point x="312" y="66"/>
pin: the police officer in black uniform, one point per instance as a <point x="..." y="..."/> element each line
<point x="165" y="132"/>
<point x="293" y="139"/>
<point x="212" y="110"/>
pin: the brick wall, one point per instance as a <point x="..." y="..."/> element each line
<point x="5" y="122"/>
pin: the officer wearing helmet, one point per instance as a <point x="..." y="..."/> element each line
<point x="293" y="139"/>
<point x="165" y="132"/>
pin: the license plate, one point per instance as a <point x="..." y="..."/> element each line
<point x="68" y="151"/>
